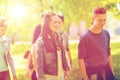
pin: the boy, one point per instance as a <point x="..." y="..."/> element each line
<point x="95" y="60"/>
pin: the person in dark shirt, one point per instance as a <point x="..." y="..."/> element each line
<point x="94" y="56"/>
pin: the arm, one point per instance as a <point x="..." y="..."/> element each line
<point x="29" y="66"/>
<point x="111" y="63"/>
<point x="33" y="56"/>
<point x="29" y="62"/>
<point x="70" y="58"/>
<point x="66" y="43"/>
<point x="9" y="58"/>
<point x="82" y="53"/>
<point x="39" y="59"/>
<point x="109" y="54"/>
<point x="10" y="62"/>
<point x="83" y="69"/>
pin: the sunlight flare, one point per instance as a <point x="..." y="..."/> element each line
<point x="18" y="11"/>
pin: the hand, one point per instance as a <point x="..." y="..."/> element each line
<point x="71" y="63"/>
<point x="67" y="73"/>
<point x="85" y="78"/>
<point x="41" y="78"/>
<point x="14" y="78"/>
<point x="66" y="78"/>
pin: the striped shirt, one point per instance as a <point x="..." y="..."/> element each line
<point x="94" y="48"/>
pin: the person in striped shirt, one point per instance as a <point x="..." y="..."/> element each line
<point x="94" y="56"/>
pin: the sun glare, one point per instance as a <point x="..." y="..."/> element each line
<point x="118" y="6"/>
<point x="18" y="11"/>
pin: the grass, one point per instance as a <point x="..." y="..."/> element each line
<point x="20" y="62"/>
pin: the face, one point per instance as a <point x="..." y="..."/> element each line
<point x="55" y="23"/>
<point x="2" y="30"/>
<point x="99" y="20"/>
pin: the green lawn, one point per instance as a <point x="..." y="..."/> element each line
<point x="20" y="63"/>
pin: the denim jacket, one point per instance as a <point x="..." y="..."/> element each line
<point x="8" y="56"/>
<point x="47" y="62"/>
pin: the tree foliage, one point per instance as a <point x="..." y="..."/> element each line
<point x="73" y="11"/>
<point x="77" y="10"/>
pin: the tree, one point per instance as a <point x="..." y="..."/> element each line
<point x="73" y="11"/>
<point x="77" y="10"/>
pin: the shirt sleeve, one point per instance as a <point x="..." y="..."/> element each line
<point x="82" y="48"/>
<point x="109" y="49"/>
<point x="39" y="59"/>
<point x="108" y="36"/>
<point x="9" y="57"/>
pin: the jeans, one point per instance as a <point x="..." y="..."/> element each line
<point x="34" y="76"/>
<point x="4" y="75"/>
<point x="100" y="73"/>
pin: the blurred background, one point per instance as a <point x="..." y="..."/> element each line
<point x="23" y="15"/>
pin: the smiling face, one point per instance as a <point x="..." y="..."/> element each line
<point x="99" y="17"/>
<point x="99" y="20"/>
<point x="55" y="23"/>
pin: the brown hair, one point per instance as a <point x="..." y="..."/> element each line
<point x="36" y="33"/>
<point x="46" y="33"/>
<point x="99" y="10"/>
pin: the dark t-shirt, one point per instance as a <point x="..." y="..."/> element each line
<point x="94" y="48"/>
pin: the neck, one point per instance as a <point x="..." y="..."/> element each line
<point x="95" y="29"/>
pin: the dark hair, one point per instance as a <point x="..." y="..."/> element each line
<point x="36" y="33"/>
<point x="46" y="34"/>
<point x="99" y="10"/>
